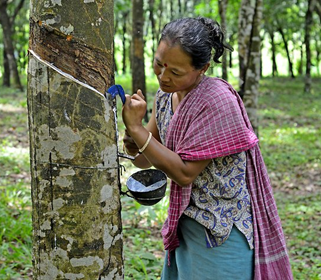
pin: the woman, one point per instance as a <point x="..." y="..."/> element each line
<point x="222" y="220"/>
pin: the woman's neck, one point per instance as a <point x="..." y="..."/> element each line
<point x="183" y="93"/>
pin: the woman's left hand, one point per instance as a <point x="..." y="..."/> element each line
<point x="134" y="110"/>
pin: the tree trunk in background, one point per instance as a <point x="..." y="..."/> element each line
<point x="77" y="232"/>
<point x="137" y="52"/>
<point x="6" y="70"/>
<point x="287" y="51"/>
<point x="179" y="8"/>
<point x="249" y="43"/>
<point x="124" y="64"/>
<point x="172" y="12"/>
<point x="160" y="18"/>
<point x="273" y="54"/>
<point x="6" y="24"/>
<point x="307" y="38"/>
<point x="318" y="51"/>
<point x="300" y="68"/>
<point x="222" y="10"/>
<point x="151" y="4"/>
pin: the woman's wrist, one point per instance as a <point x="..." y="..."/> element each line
<point x="142" y="149"/>
<point x="135" y="130"/>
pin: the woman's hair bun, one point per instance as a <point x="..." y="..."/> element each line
<point x="216" y="37"/>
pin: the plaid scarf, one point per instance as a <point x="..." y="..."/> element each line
<point x="211" y="122"/>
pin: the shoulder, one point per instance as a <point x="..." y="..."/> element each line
<point x="215" y="92"/>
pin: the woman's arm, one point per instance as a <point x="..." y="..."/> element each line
<point x="182" y="172"/>
<point x="131" y="148"/>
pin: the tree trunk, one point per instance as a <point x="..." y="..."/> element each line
<point x="8" y="44"/>
<point x="151" y="4"/>
<point x="160" y="18"/>
<point x="179" y="8"/>
<point x="172" y="12"/>
<point x="222" y="10"/>
<point x="77" y="231"/>
<point x="300" y="68"/>
<point x="138" y="62"/>
<point x="273" y="52"/>
<point x="308" y="24"/>
<point x="6" y="70"/>
<point x="287" y="51"/>
<point x="124" y="64"/>
<point x="250" y="17"/>
<point x="317" y="58"/>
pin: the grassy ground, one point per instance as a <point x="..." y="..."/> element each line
<point x="290" y="136"/>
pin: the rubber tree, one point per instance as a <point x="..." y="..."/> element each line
<point x="137" y="49"/>
<point x="77" y="230"/>
<point x="249" y="44"/>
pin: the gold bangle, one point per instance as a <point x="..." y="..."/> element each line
<point x="142" y="149"/>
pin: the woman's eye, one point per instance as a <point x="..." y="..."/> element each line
<point x="175" y="74"/>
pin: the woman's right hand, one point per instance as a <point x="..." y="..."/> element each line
<point x="129" y="144"/>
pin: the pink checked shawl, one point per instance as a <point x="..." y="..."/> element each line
<point x="211" y="122"/>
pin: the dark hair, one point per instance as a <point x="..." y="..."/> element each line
<point x="197" y="37"/>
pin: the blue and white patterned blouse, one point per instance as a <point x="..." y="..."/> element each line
<point x="220" y="198"/>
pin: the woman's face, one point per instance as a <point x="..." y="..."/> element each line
<point x="174" y="69"/>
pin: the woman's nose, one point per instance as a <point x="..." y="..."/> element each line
<point x="163" y="75"/>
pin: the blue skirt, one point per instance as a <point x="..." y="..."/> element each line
<point x="192" y="260"/>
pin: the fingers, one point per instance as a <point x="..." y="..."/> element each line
<point x="140" y="94"/>
<point x="129" y="144"/>
<point x="137" y="96"/>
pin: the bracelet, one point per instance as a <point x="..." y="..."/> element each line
<point x="142" y="149"/>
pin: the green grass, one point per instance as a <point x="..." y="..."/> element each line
<point x="290" y="134"/>
<point x="301" y="220"/>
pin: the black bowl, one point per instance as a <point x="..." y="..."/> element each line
<point x="147" y="186"/>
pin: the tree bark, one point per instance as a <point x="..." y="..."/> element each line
<point x="137" y="57"/>
<point x="73" y="143"/>
<point x="250" y="17"/>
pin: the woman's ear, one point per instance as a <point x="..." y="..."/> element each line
<point x="205" y="67"/>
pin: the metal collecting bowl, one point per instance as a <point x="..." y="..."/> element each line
<point x="148" y="186"/>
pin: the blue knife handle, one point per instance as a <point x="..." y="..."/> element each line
<point x="117" y="89"/>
